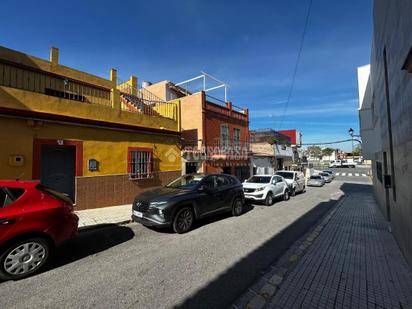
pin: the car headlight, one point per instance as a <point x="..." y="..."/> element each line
<point x="260" y="189"/>
<point x="154" y="204"/>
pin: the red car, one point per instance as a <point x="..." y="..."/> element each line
<point x="33" y="221"/>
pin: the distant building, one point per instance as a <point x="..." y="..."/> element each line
<point x="270" y="151"/>
<point x="385" y="112"/>
<point x="296" y="143"/>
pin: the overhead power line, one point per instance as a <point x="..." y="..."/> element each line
<point x="297" y="64"/>
<point x="336" y="142"/>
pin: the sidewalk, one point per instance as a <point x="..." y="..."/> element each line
<point x="106" y="215"/>
<point x="351" y="260"/>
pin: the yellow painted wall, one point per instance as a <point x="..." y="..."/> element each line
<point x="27" y="100"/>
<point x="107" y="146"/>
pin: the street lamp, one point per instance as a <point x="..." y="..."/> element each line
<point x="350" y="131"/>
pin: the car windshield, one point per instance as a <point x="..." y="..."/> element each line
<point x="186" y="181"/>
<point x="315" y="177"/>
<point x="324" y="174"/>
<point x="285" y="175"/>
<point x="259" y="179"/>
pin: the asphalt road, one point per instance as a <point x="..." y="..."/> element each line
<point x="358" y="174"/>
<point x="135" y="267"/>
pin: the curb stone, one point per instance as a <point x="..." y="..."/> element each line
<point x="258" y="296"/>
<point x="101" y="225"/>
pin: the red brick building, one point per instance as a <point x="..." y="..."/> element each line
<point x="215" y="134"/>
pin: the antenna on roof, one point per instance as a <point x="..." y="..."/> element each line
<point x="20" y="176"/>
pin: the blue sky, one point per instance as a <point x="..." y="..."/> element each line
<point x="250" y="45"/>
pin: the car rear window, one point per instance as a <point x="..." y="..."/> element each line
<point x="55" y="194"/>
<point x="315" y="177"/>
<point x="9" y="195"/>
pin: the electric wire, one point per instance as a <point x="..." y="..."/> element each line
<point x="296" y="65"/>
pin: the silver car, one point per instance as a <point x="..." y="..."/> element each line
<point x="326" y="176"/>
<point x="316" y="181"/>
<point x="330" y="173"/>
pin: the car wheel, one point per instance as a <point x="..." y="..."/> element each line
<point x="237" y="207"/>
<point x="24" y="258"/>
<point x="286" y="195"/>
<point x="183" y="221"/>
<point x="293" y="193"/>
<point x="269" y="199"/>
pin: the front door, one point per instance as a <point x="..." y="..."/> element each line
<point x="57" y="168"/>
<point x="191" y="167"/>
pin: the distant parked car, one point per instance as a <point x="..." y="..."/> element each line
<point x="316" y="181"/>
<point x="330" y="173"/>
<point x="188" y="198"/>
<point x="341" y="163"/>
<point x="326" y="177"/>
<point x="33" y="220"/>
<point x="295" y="180"/>
<point x="265" y="188"/>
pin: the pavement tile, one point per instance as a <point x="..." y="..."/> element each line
<point x="353" y="262"/>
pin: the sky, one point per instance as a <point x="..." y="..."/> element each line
<point x="251" y="45"/>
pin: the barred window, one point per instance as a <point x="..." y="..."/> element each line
<point x="224" y="135"/>
<point x="140" y="163"/>
<point x="236" y="138"/>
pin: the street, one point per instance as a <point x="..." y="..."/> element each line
<point x="133" y="266"/>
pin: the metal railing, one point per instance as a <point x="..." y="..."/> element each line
<point x="53" y="85"/>
<point x="141" y="100"/>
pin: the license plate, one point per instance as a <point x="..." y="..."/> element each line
<point x="138" y="214"/>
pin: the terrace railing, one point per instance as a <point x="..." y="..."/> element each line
<point x="53" y="85"/>
<point x="141" y="100"/>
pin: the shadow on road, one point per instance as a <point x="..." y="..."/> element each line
<point x="203" y="222"/>
<point x="225" y="289"/>
<point x="92" y="241"/>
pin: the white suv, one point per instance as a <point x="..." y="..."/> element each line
<point x="265" y="188"/>
<point x="295" y="180"/>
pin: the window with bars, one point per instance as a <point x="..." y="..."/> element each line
<point x="236" y="138"/>
<point x="140" y="163"/>
<point x="224" y="135"/>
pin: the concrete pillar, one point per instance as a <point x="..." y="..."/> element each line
<point x="115" y="93"/>
<point x="54" y="55"/>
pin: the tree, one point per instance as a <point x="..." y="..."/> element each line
<point x="357" y="151"/>
<point x="314" y="151"/>
<point x="327" y="152"/>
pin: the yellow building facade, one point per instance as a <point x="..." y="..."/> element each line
<point x="89" y="137"/>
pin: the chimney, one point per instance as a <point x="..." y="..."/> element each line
<point x="54" y="55"/>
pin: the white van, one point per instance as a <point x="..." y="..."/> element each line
<point x="295" y="180"/>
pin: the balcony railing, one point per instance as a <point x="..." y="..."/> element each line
<point x="52" y="85"/>
<point x="141" y="100"/>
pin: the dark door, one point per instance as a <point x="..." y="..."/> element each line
<point x="227" y="170"/>
<point x="57" y="168"/>
<point x="191" y="167"/>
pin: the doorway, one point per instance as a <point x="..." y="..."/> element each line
<point x="191" y="167"/>
<point x="58" y="168"/>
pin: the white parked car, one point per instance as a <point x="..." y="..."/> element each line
<point x="341" y="163"/>
<point x="295" y="180"/>
<point x="265" y="188"/>
<point x="316" y="181"/>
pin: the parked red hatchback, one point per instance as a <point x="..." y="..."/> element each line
<point x="33" y="221"/>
